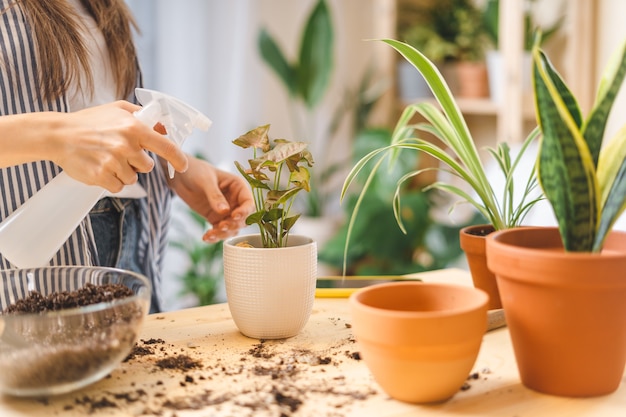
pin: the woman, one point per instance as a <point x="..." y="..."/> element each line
<point x="66" y="67"/>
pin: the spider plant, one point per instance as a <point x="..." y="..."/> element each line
<point x="459" y="155"/>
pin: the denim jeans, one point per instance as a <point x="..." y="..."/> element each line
<point x="116" y="228"/>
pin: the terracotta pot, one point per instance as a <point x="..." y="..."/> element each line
<point x="472" y="242"/>
<point x="419" y="340"/>
<point x="473" y="79"/>
<point x="566" y="311"/>
<point x="270" y="291"/>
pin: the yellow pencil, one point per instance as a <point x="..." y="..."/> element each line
<point x="334" y="292"/>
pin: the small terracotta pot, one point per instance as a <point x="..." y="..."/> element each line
<point x="473" y="79"/>
<point x="473" y="244"/>
<point x="270" y="291"/>
<point x="419" y="340"/>
<point x="566" y="311"/>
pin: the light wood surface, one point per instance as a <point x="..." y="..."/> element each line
<point x="244" y="377"/>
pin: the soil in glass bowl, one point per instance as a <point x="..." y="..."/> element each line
<point x="67" y="339"/>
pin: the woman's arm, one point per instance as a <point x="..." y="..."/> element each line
<point x="102" y="145"/>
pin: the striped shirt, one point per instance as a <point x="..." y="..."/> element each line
<point x="20" y="93"/>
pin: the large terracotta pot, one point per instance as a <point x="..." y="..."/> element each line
<point x="419" y="340"/>
<point x="270" y="291"/>
<point x="566" y="311"/>
<point x="472" y="241"/>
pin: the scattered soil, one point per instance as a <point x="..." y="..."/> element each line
<point x="271" y="378"/>
<point x="474" y="376"/>
<point x="39" y="354"/>
<point x="181" y="362"/>
<point x="265" y="378"/>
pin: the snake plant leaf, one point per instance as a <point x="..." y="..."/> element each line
<point x="611" y="159"/>
<point x="566" y="169"/>
<point x="612" y="181"/>
<point x="273" y="56"/>
<point x="613" y="207"/>
<point x="316" y="55"/>
<point x="610" y="84"/>
<point x="567" y="97"/>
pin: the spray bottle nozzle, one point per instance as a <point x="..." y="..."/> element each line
<point x="178" y="118"/>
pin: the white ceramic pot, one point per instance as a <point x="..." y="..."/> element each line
<point x="270" y="291"/>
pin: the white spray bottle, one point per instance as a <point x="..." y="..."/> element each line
<point x="34" y="232"/>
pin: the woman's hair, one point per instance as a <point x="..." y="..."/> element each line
<point x="61" y="53"/>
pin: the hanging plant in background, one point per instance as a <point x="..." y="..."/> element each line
<point x="306" y="81"/>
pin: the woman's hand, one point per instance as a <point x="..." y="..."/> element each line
<point x="222" y="198"/>
<point x="105" y="145"/>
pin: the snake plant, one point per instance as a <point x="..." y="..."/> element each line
<point x="583" y="181"/>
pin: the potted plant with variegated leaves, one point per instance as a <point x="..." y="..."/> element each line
<point x="270" y="277"/>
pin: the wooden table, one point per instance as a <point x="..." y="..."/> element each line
<point x="317" y="373"/>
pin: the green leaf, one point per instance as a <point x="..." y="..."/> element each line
<point x="273" y="215"/>
<point x="613" y="207"/>
<point x="289" y="222"/>
<point x="612" y="184"/>
<point x="272" y="55"/>
<point x="611" y="159"/>
<point x="255" y="218"/>
<point x="301" y="178"/>
<point x="454" y="132"/>
<point x="275" y="197"/>
<point x="438" y="86"/>
<point x="252" y="180"/>
<point x="610" y="84"/>
<point x="568" y="99"/>
<point x="566" y="168"/>
<point x="316" y="55"/>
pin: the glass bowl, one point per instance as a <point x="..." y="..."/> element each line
<point x="56" y="352"/>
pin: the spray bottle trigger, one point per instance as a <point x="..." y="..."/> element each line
<point x="149" y="114"/>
